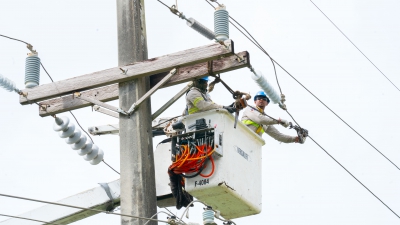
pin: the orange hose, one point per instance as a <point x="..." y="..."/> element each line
<point x="212" y="168"/>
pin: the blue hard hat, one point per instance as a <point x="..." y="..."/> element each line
<point x="261" y="94"/>
<point x="204" y="78"/>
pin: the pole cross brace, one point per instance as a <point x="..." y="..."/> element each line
<point x="105" y="111"/>
<point x="99" y="103"/>
<point x="151" y="91"/>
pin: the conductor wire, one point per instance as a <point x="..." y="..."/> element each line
<point x="77" y="207"/>
<point x="24" y="218"/>
<point x="355" y="45"/>
<point x="274" y="61"/>
<point x="341" y="166"/>
<point x="354" y="176"/>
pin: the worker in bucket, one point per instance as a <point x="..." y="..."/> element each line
<point x="198" y="99"/>
<point x="255" y="119"/>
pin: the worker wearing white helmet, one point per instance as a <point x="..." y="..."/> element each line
<point x="254" y="119"/>
<point x="198" y="100"/>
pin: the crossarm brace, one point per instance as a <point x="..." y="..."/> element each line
<point x="171" y="101"/>
<point x="105" y="111"/>
<point x="151" y="91"/>
<point x="99" y="103"/>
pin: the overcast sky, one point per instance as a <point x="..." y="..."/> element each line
<point x="301" y="184"/>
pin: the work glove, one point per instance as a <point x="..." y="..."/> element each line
<point x="230" y="109"/>
<point x="301" y="139"/>
<point x="284" y="123"/>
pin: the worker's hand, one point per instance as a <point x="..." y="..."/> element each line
<point x="283" y="122"/>
<point x="230" y="109"/>
<point x="301" y="140"/>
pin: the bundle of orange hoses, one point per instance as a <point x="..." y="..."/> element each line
<point x="193" y="160"/>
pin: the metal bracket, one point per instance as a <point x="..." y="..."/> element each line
<point x="43" y="107"/>
<point x="108" y="192"/>
<point x="171" y="101"/>
<point x="99" y="103"/>
<point x="151" y="91"/>
<point x="104" y="111"/>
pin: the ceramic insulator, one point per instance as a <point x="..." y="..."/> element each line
<point x="266" y="87"/>
<point x="195" y="25"/>
<point x="32" y="70"/>
<point x="221" y="23"/>
<point x="7" y="84"/>
<point x="208" y="217"/>
<point x="78" y="141"/>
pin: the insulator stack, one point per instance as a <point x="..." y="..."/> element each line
<point x="195" y="25"/>
<point x="78" y="141"/>
<point x="32" y="70"/>
<point x="221" y="23"/>
<point x="208" y="217"/>
<point x="7" y="84"/>
<point x="266" y="86"/>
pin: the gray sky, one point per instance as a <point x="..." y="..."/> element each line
<point x="301" y="183"/>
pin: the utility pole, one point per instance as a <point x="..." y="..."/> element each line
<point x="138" y="188"/>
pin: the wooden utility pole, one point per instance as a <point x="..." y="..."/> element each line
<point x="138" y="188"/>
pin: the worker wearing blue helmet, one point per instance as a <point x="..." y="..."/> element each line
<point x="255" y="119"/>
<point x="198" y="99"/>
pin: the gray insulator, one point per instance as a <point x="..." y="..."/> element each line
<point x="221" y="23"/>
<point x="76" y="137"/>
<point x="91" y="155"/>
<point x="208" y="217"/>
<point x="32" y="70"/>
<point x="98" y="158"/>
<point x="85" y="150"/>
<point x="195" y="25"/>
<point x="266" y="86"/>
<point x="78" y="141"/>
<point x="7" y="84"/>
<point x="80" y="144"/>
<point x="68" y="131"/>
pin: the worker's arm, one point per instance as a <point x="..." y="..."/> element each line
<point x="259" y="118"/>
<point x="275" y="134"/>
<point x="198" y="101"/>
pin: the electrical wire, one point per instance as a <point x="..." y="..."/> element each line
<point x="262" y="49"/>
<point x="353" y="176"/>
<point x="78" y="207"/>
<point x="24" y="218"/>
<point x="255" y="42"/>
<point x="15" y="39"/>
<point x="60" y="96"/>
<point x="355" y="45"/>
<point x="46" y="72"/>
<point x="337" y="163"/>
<point x="164" y="4"/>
<point x="110" y="167"/>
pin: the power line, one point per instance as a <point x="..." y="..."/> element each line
<point x="355" y="46"/>
<point x="24" y="218"/>
<point x="337" y="163"/>
<point x="263" y="50"/>
<point x="78" y="207"/>
<point x="353" y="176"/>
<point x="15" y="39"/>
<point x="255" y="42"/>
